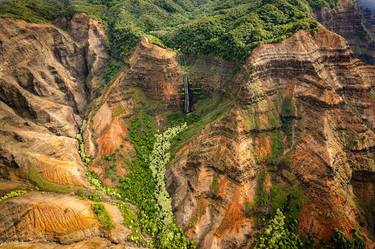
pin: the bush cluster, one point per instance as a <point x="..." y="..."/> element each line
<point x="102" y="215"/>
<point x="12" y="194"/>
<point x="279" y="235"/>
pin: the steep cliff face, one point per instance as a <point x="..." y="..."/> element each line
<point x="210" y="73"/>
<point x="305" y="116"/>
<point x="47" y="77"/>
<point x="151" y="82"/>
<point x="330" y="100"/>
<point x="347" y="20"/>
<point x="157" y="72"/>
<point x="41" y="99"/>
<point x="211" y="179"/>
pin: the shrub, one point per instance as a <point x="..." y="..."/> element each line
<point x="111" y="71"/>
<point x="144" y="183"/>
<point x="102" y="215"/>
<point x="278" y="235"/>
<point x="159" y="159"/>
<point x="340" y="241"/>
<point x="12" y="194"/>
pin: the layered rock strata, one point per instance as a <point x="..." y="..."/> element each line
<point x="151" y="81"/>
<point x="347" y="20"/>
<point x="306" y="107"/>
<point x="157" y="72"/>
<point x="47" y="77"/>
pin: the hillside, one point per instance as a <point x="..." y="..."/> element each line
<point x="175" y="124"/>
<point x="230" y="29"/>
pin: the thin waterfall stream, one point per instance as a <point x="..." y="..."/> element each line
<point x="185" y="79"/>
<point x="186" y="94"/>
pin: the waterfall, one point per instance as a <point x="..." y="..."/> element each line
<point x="186" y="94"/>
<point x="186" y="86"/>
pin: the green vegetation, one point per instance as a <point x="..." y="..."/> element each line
<point x="34" y="11"/>
<point x="170" y="236"/>
<point x="207" y="111"/>
<point x="110" y="169"/>
<point x="88" y="195"/>
<point x="230" y="29"/>
<point x="98" y="185"/>
<point x="144" y="186"/>
<point x="102" y="215"/>
<point x="340" y="241"/>
<point x="287" y="199"/>
<point x="281" y="196"/>
<point x="279" y="235"/>
<point x="277" y="146"/>
<point x="12" y="194"/>
<point x="130" y="215"/>
<point x="111" y="70"/>
<point x="248" y="209"/>
<point x="234" y="28"/>
<point x="261" y="196"/>
<point x="84" y="157"/>
<point x="159" y="159"/>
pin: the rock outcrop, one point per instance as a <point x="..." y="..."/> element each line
<point x="210" y="73"/>
<point x="91" y="39"/>
<point x="305" y="114"/>
<point x="55" y="218"/>
<point x="157" y="72"/>
<point x="211" y="180"/>
<point x="347" y="20"/>
<point x="41" y="100"/>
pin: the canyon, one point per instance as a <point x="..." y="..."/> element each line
<point x="291" y="128"/>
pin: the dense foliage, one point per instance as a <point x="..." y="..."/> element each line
<point x="279" y="235"/>
<point x="229" y="28"/>
<point x="340" y="241"/>
<point x="34" y="11"/>
<point x="102" y="215"/>
<point x="144" y="184"/>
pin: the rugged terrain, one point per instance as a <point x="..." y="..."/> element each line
<point x="291" y="128"/>
<point x="298" y="119"/>
<point x="347" y="20"/>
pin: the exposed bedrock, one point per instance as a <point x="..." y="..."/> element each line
<point x="42" y="217"/>
<point x="210" y="73"/>
<point x="157" y="71"/>
<point x="151" y="80"/>
<point x="307" y="104"/>
<point x="347" y="20"/>
<point x="41" y="98"/>
<point x="46" y="77"/>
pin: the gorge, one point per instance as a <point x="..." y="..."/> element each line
<point x="187" y="124"/>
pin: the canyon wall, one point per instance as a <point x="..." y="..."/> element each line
<point x="305" y="115"/>
<point x="347" y="20"/>
<point x="47" y="78"/>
